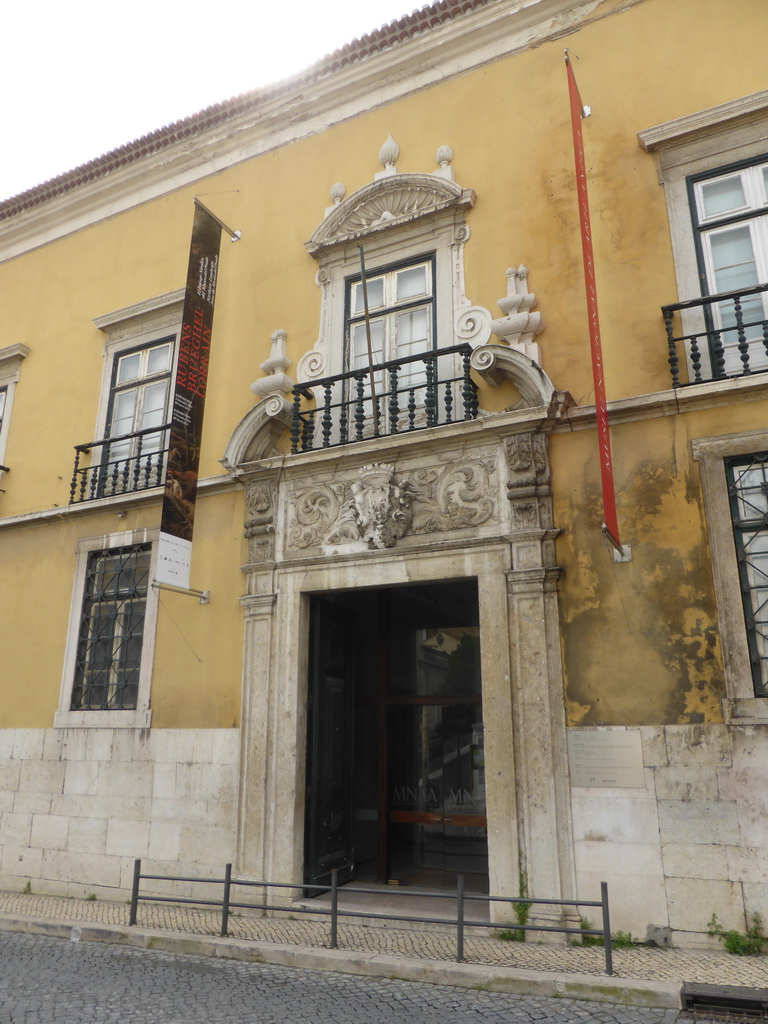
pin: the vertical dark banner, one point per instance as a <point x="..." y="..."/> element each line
<point x="610" y="525"/>
<point x="178" y="515"/>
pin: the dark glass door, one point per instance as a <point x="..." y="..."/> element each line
<point x="395" y="767"/>
<point x="328" y="837"/>
<point x="436" y="765"/>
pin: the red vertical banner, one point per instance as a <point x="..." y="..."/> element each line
<point x="178" y="515"/>
<point x="610" y="524"/>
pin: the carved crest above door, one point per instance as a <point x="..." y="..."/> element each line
<point x="479" y="492"/>
<point x="378" y="506"/>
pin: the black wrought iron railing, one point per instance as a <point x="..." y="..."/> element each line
<point x="427" y="390"/>
<point x="120" y="465"/>
<point x="717" y="336"/>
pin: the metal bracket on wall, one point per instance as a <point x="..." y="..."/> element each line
<point x="203" y="595"/>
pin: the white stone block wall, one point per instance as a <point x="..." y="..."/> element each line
<point x="77" y="806"/>
<point x="693" y="842"/>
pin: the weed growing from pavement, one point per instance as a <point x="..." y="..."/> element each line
<point x="522" y="912"/>
<point x="587" y="940"/>
<point x="619" y="940"/>
<point x="750" y="944"/>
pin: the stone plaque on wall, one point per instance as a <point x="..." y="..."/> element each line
<point x="606" y="758"/>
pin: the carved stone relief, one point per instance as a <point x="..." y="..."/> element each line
<point x="527" y="460"/>
<point x="379" y="506"/>
<point x="528" y="484"/>
<point x="314" y="511"/>
<point x="453" y="498"/>
<point x="394" y="199"/>
<point x="260" y="500"/>
<point x="374" y="508"/>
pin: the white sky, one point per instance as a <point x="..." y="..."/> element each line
<point x="82" y="77"/>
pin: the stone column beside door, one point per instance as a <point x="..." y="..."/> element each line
<point x="546" y="847"/>
<point x="259" y="608"/>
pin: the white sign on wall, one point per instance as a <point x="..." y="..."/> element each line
<point x="606" y="757"/>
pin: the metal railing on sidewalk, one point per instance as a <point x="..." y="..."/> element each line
<point x="459" y="921"/>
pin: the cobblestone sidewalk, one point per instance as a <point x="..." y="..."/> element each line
<point x="639" y="963"/>
<point x="47" y="981"/>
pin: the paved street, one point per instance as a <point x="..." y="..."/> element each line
<point x="54" y="981"/>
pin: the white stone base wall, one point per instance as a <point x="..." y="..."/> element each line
<point x="693" y="842"/>
<point x="77" y="806"/>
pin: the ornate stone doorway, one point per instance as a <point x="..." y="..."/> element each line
<point x="395" y="754"/>
<point x="460" y="505"/>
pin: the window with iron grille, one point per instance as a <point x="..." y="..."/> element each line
<point x="111" y="631"/>
<point x="748" y="489"/>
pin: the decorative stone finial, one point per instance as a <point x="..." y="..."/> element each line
<point x="388" y="155"/>
<point x="338" y="191"/>
<point x="276" y="382"/>
<point x="519" y="326"/>
<point x="444" y="156"/>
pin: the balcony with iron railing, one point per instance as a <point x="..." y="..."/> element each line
<point x="120" y="465"/>
<point x="413" y="393"/>
<point x="717" y="337"/>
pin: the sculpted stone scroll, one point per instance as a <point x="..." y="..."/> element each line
<point x="314" y="512"/>
<point x="454" y="497"/>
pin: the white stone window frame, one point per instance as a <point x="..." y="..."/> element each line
<point x="11" y="358"/>
<point x="740" y="703"/>
<point x="752" y="218"/>
<point x="696" y="144"/>
<point x="399" y="217"/>
<point x="438" y="229"/>
<point x="139" y="717"/>
<point x="131" y="328"/>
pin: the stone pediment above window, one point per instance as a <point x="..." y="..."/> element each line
<point x="390" y="202"/>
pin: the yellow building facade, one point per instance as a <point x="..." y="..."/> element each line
<point x="407" y="650"/>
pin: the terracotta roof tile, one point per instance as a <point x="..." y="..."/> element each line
<point x="392" y="34"/>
